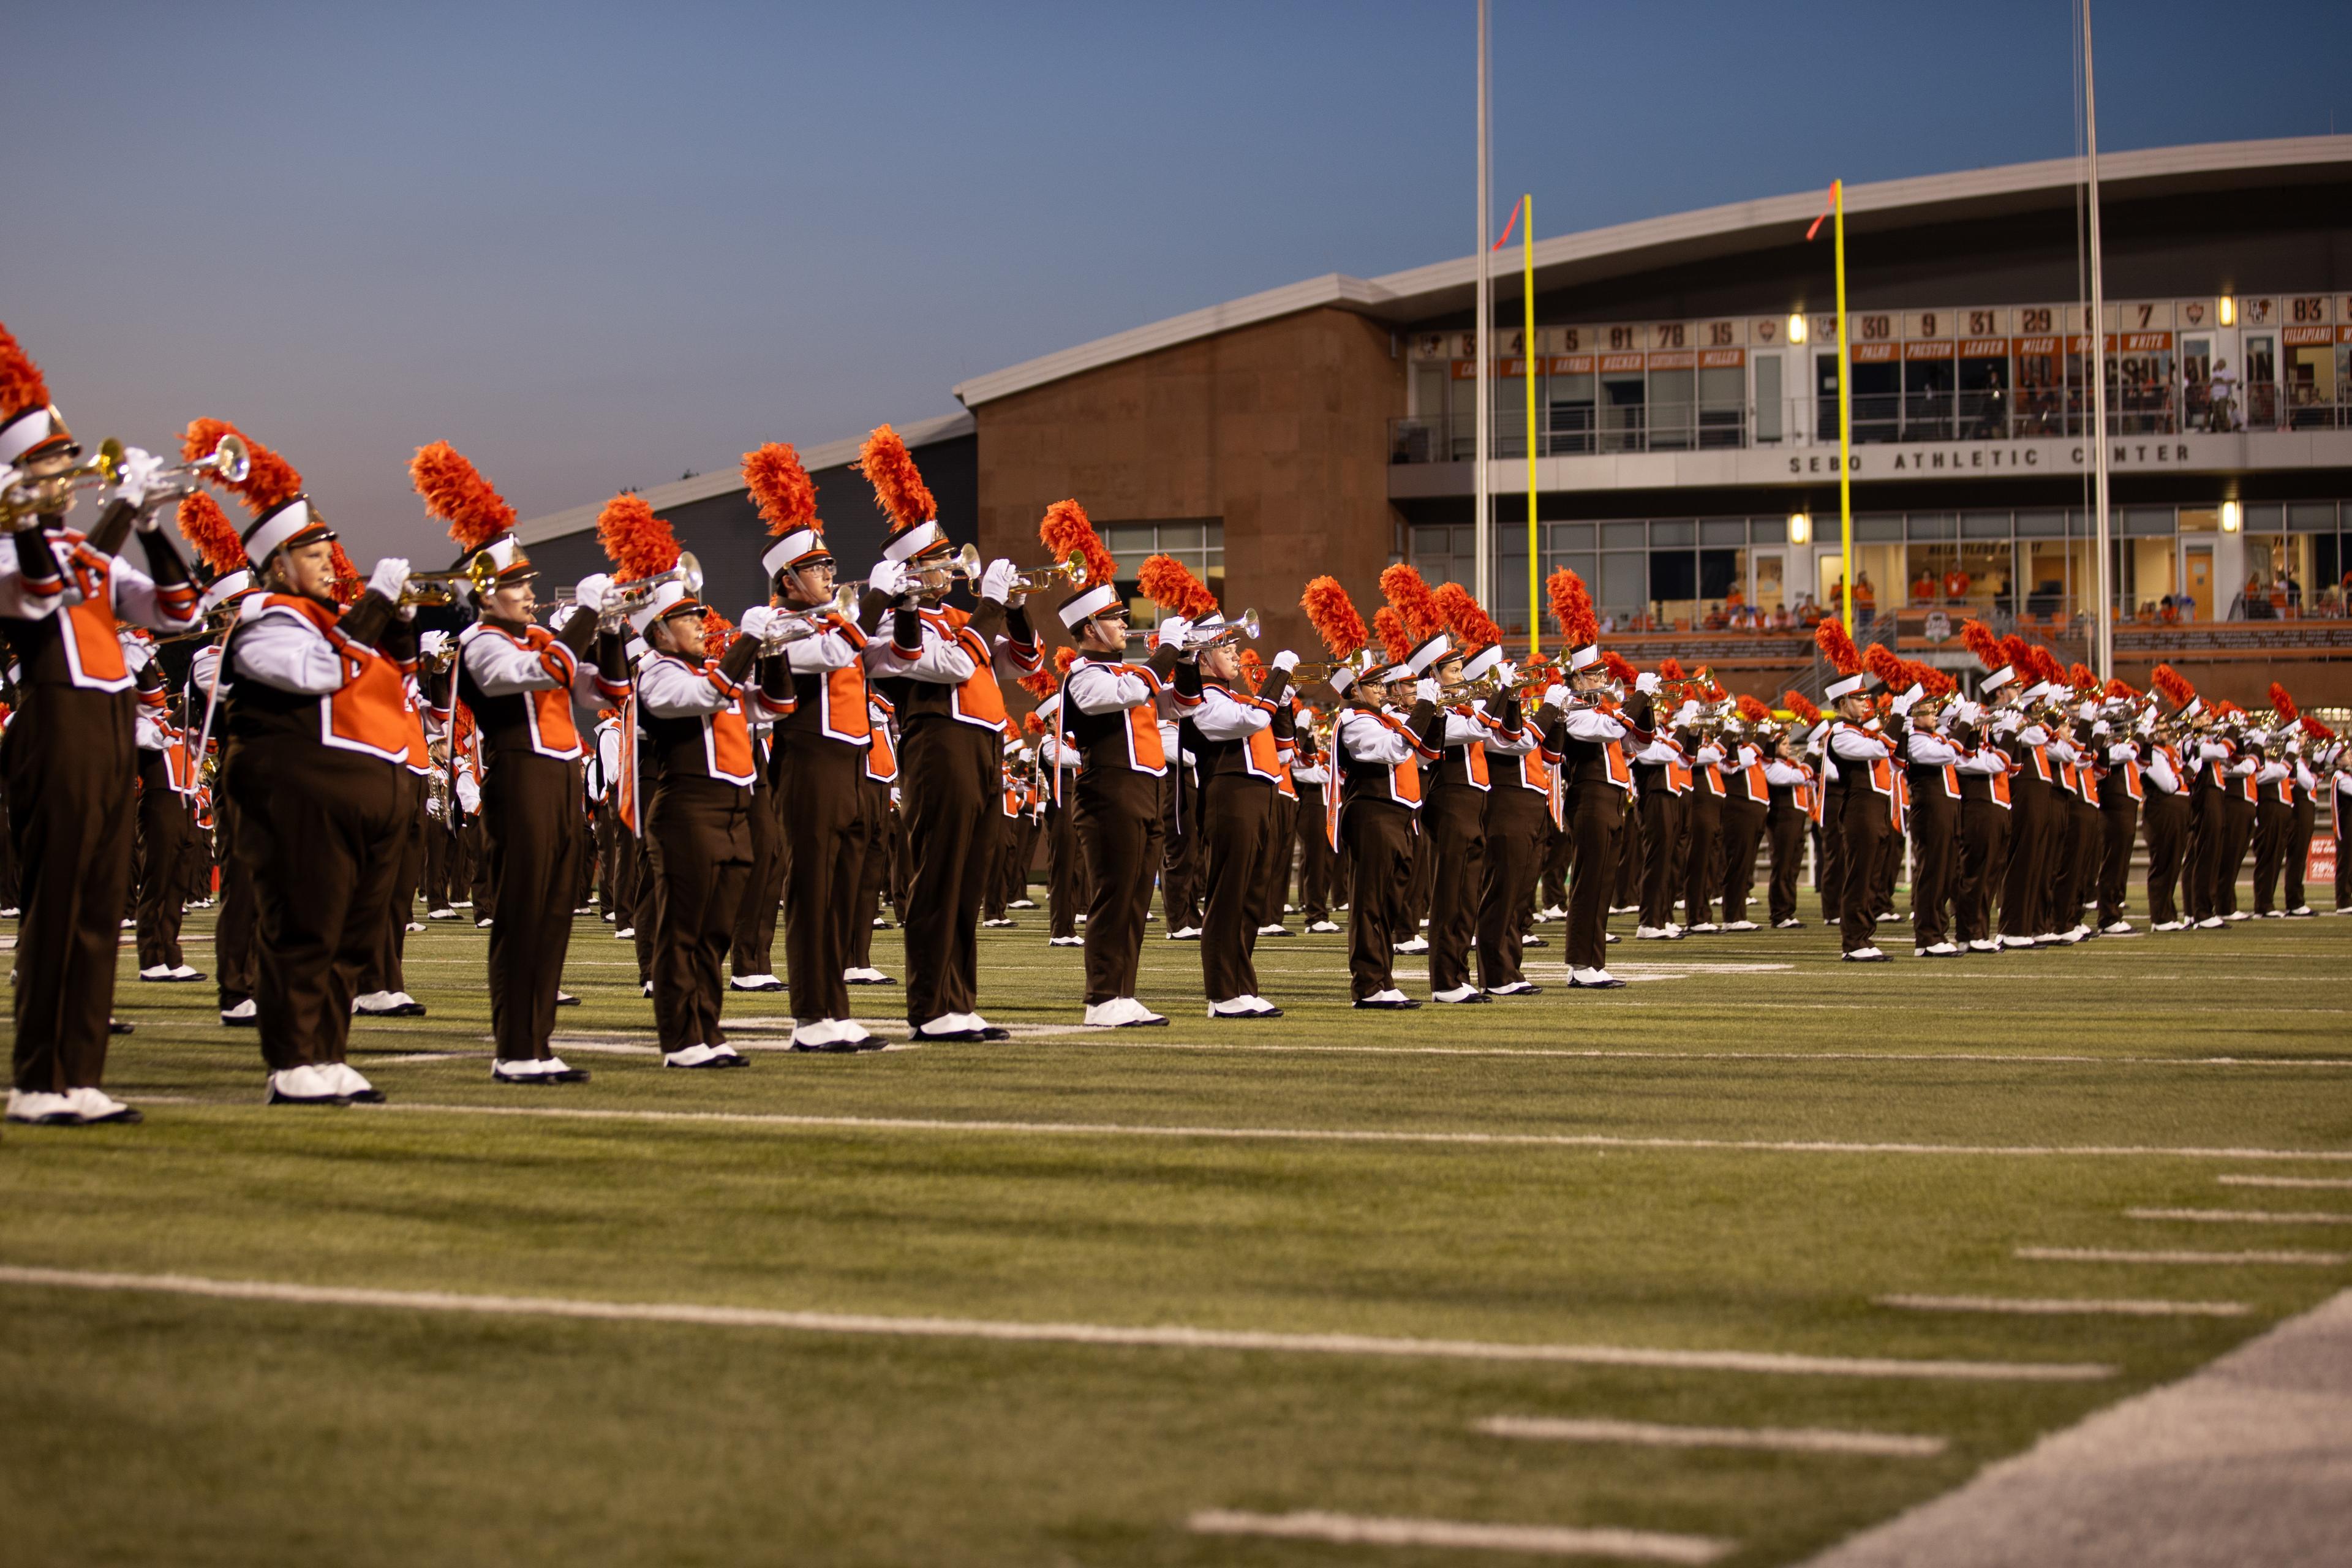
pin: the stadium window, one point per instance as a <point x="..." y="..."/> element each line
<point x="1197" y="542"/>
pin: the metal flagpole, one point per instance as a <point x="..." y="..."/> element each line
<point x="1484" y="532"/>
<point x="1845" y="417"/>
<point x="2103" y="643"/>
<point x="1528" y="289"/>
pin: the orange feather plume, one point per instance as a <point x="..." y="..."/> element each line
<point x="1621" y="668"/>
<point x="2173" y="685"/>
<point x="638" y="544"/>
<point x="1170" y="583"/>
<point x="1334" y="616"/>
<point x="785" y="493"/>
<point x="1753" y="711"/>
<point x="1395" y="641"/>
<point x="1979" y="640"/>
<point x="1800" y="707"/>
<point x="1837" y="647"/>
<point x="1254" y="668"/>
<point x="2081" y="678"/>
<point x="207" y="528"/>
<point x="1880" y="661"/>
<point x="22" y="386"/>
<point x="348" y="584"/>
<point x="1469" y="621"/>
<point x="1032" y="725"/>
<point x="716" y="631"/>
<point x="1408" y="590"/>
<point x="1673" y="670"/>
<point x="1571" y="607"/>
<point x="1041" y="684"/>
<point x="455" y="492"/>
<point x="2046" y="665"/>
<point x="2283" y="703"/>
<point x="1064" y="529"/>
<point x="1936" y="682"/>
<point x="1063" y="658"/>
<point x="269" y="479"/>
<point x="2117" y="691"/>
<point x="897" y="484"/>
<point x="2016" y="653"/>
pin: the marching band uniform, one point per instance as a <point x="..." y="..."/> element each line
<point x="1232" y="734"/>
<point x="166" y="782"/>
<point x="1702" y="831"/>
<point x="2122" y="791"/>
<point x="1861" y="806"/>
<point x="1276" y="893"/>
<point x="2237" y="831"/>
<point x="1454" y="816"/>
<point x="1984" y="840"/>
<point x="2032" y="804"/>
<point x="1180" y="853"/>
<point x="1591" y="744"/>
<point x="752" y="946"/>
<point x="1932" y="763"/>
<point x="1518" y="805"/>
<point x="878" y="778"/>
<point x="1746" y="800"/>
<point x="1785" y="819"/>
<point x="530" y="688"/>
<point x="2166" y="813"/>
<point x="1662" y="781"/>
<point x="1378" y="757"/>
<point x="232" y="957"/>
<point x="70" y="758"/>
<point x="1310" y="775"/>
<point x="1065" y="860"/>
<point x="2300" y="828"/>
<point x="2273" y="818"/>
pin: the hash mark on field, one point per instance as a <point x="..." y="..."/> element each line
<point x="1777" y="1439"/>
<point x="2062" y="1306"/>
<point x="1162" y="1336"/>
<point x="2251" y="1216"/>
<point x="2125" y="1255"/>
<point x="2284" y="1181"/>
<point x="1532" y="1540"/>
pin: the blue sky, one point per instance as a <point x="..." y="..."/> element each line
<point x="599" y="245"/>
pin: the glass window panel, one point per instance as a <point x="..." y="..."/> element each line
<point x="1770" y="530"/>
<point x="1884" y="530"/>
<point x="1767" y="397"/>
<point x="2261" y="519"/>
<point x="1723" y="530"/>
<point x="2149" y="521"/>
<point x="2312" y="517"/>
<point x="1624" y="536"/>
<point x="1930" y="525"/>
<point x="1984" y="525"/>
<point x="1667" y="534"/>
<point x="1571" y="535"/>
<point x="1624" y="584"/>
<point x="2041" y="524"/>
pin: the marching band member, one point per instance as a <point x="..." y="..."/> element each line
<point x="877" y="785"/>
<point x="752" y="946"/>
<point x="1702" y="816"/>
<point x="1518" y="807"/>
<point x="1861" y="802"/>
<point x="1932" y="759"/>
<point x="531" y="689"/>
<point x="70" y="751"/>
<point x="2305" y="822"/>
<point x="2122" y="790"/>
<point x="938" y="669"/>
<point x="1661" y="779"/>
<point x="1747" y="802"/>
<point x="166" y="783"/>
<point x="829" y="816"/>
<point x="2021" y="737"/>
<point x="1379" y="756"/>
<point x="1454" y="816"/>
<point x="1310" y="775"/>
<point x="1065" y="862"/>
<point x="1788" y="813"/>
<point x="1986" y="809"/>
<point x="2165" y="814"/>
<point x="215" y="541"/>
<point x="1275" y="896"/>
<point x="1592" y="737"/>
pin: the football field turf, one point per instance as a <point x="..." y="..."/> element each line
<point x="1143" y="1296"/>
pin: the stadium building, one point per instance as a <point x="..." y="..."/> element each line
<point x="1685" y="382"/>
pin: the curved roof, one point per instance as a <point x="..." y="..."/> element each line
<point x="1571" y="258"/>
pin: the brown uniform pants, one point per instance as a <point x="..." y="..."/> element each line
<point x="1455" y="819"/>
<point x="1380" y="838"/>
<point x="1702" y="843"/>
<point x="528" y="804"/>
<point x="752" y="946"/>
<point x="2166" y="817"/>
<point x="233" y="964"/>
<point x="387" y="968"/>
<point x="874" y="871"/>
<point x="1276" y="892"/>
<point x="1662" y="837"/>
<point x="951" y="782"/>
<point x="1935" y="856"/>
<point x="699" y="831"/>
<point x="2119" y="830"/>
<point x="2273" y="819"/>
<point x="1596" y="818"/>
<point x="1983" y="857"/>
<point x="1115" y="824"/>
<point x="821" y="785"/>
<point x="1236" y="836"/>
<point x="1784" y="831"/>
<point x="1181" y="856"/>
<point x="163" y="833"/>
<point x="1743" y="831"/>
<point x="1515" y="820"/>
<point x="2299" y="834"/>
<point x="1066" y="861"/>
<point x="320" y="832"/>
<point x="2025" y="877"/>
<point x="1864" y="824"/>
<point x="70" y="758"/>
<point x="2237" y="832"/>
<point x="1316" y="860"/>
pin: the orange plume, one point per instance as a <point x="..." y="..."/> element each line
<point x="1395" y="641"/>
<point x="1801" y="707"/>
<point x="2117" y="691"/>
<point x="1880" y="661"/>
<point x="1334" y="616"/>
<point x="1673" y="670"/>
<point x="2174" y="686"/>
<point x="1064" y="529"/>
<point x="1063" y="658"/>
<point x="1170" y="583"/>
<point x="1621" y="668"/>
<point x="2081" y="678"/>
<point x="2283" y="703"/>
<point x="1041" y="684"/>
<point x="22" y="386"/>
<point x="1571" y="607"/>
<point x="1254" y="668"/>
<point x="2016" y="653"/>
<point x="1752" y="709"/>
<point x="785" y="493"/>
<point x="455" y="492"/>
<point x="1406" y="589"/>
<point x="716" y="631"/>
<point x="207" y="528"/>
<point x="1837" y="647"/>
<point x="1465" y="618"/>
<point x="1031" y="724"/>
<point x="2046" y="665"/>
<point x="269" y="479"/>
<point x="638" y="544"/>
<point x="1979" y="640"/>
<point x="897" y="483"/>
<point x="348" y="584"/>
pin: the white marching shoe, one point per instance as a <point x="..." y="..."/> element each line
<point x="1321" y="928"/>
<point x="1867" y="955"/>
<point x="302" y="1086"/>
<point x="2118" y="928"/>
<point x="1653" y="934"/>
<point x="94" y="1107"/>
<point x="244" y="1014"/>
<point x="39" y="1108"/>
<point x="1243" y="1007"/>
<point x="1593" y="980"/>
<point x="754" y="982"/>
<point x="1413" y="944"/>
<point x="345" y="1080"/>
<point x="1741" y="925"/>
<point x="869" y="975"/>
<point x="704" y="1057"/>
<point x="1985" y="944"/>
<point x="1936" y="950"/>
<point x="1065" y="941"/>
<point x="1465" y="992"/>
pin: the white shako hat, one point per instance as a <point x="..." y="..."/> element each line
<point x="1483" y="663"/>
<point x="1049" y="706"/>
<point x="907" y="544"/>
<point x="1087" y="602"/>
<point x="669" y="599"/>
<point x="1393" y="674"/>
<point x="1584" y="657"/>
<point x="1430" y="654"/>
<point x="505" y="553"/>
<point x="291" y="523"/>
<point x="30" y="429"/>
<point x="223" y="588"/>
<point x="1999" y="678"/>
<point x="1846" y="686"/>
<point x="1342" y="677"/>
<point x="801" y="547"/>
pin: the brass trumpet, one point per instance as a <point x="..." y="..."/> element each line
<point x="635" y="593"/>
<point x="33" y="497"/>
<point x="1243" y="627"/>
<point x="481" y="574"/>
<point x="798" y="626"/>
<point x="939" y="576"/>
<point x="1037" y="578"/>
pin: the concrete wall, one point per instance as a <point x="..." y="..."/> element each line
<point x="1278" y="429"/>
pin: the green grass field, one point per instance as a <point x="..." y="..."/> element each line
<point x="1742" y="1151"/>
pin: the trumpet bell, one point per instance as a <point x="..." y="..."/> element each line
<point x="230" y="460"/>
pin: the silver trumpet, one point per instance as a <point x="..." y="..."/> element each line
<point x="798" y="626"/>
<point x="635" y="593"/>
<point x="227" y="463"/>
<point x="939" y="576"/>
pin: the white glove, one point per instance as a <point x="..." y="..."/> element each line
<point x="590" y="591"/>
<point x="1647" y="683"/>
<point x="1286" y="661"/>
<point x="1506" y="674"/>
<point x="998" y="580"/>
<point x="430" y="645"/>
<point x="1687" y="714"/>
<point x="756" y="621"/>
<point x="390" y="576"/>
<point x="2101" y="727"/>
<point x="139" y="470"/>
<point x="1555" y="695"/>
<point x="1908" y="700"/>
<point x="1966" y="712"/>
<point x="469" y="794"/>
<point x="1173" y="632"/>
<point x="1424" y="689"/>
<point x="891" y="579"/>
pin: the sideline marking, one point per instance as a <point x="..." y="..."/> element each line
<point x="2284" y="1181"/>
<point x="2058" y="1306"/>
<point x="1112" y="1038"/>
<point x="2251" y="1216"/>
<point x="1347" y="1135"/>
<point x="1534" y="1540"/>
<point x="1166" y="1335"/>
<point x="2122" y="1255"/>
<point x="1648" y="1434"/>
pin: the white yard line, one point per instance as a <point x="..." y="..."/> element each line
<point x="2065" y="1306"/>
<point x="1528" y="1539"/>
<point x="2236" y="1181"/>
<point x="1123" y="1040"/>
<point x="1165" y="1336"/>
<point x="1776" y="1440"/>
<point x="2125" y="1255"/>
<point x="1357" y="1135"/>
<point x="2248" y="1216"/>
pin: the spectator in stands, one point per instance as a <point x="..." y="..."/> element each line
<point x="1808" y="614"/>
<point x="1865" y="599"/>
<point x="1923" y="587"/>
<point x="1716" y="620"/>
<point x="1956" y="583"/>
<point x="2224" y="405"/>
